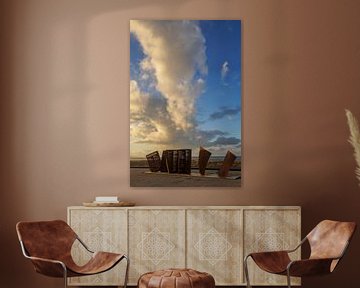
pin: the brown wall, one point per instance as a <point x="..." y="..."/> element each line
<point x="64" y="113"/>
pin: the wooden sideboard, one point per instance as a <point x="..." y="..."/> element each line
<point x="213" y="239"/>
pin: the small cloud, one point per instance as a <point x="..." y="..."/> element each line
<point x="207" y="135"/>
<point x="221" y="141"/>
<point x="224" y="70"/>
<point x="146" y="65"/>
<point x="145" y="76"/>
<point x="224" y="112"/>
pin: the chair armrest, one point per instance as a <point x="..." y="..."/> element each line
<point x="45" y="260"/>
<point x="48" y="267"/>
<point x="83" y="244"/>
<point x="268" y="253"/>
<point x="298" y="246"/>
<point x="309" y="267"/>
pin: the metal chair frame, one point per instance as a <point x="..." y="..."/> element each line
<point x="288" y="276"/>
<point x="23" y="249"/>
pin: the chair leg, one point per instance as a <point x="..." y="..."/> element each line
<point x="65" y="276"/>
<point x="246" y="270"/>
<point x="288" y="278"/>
<point x="127" y="271"/>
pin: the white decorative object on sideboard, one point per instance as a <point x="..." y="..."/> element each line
<point x="212" y="239"/>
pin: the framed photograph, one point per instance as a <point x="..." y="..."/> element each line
<point x="185" y="103"/>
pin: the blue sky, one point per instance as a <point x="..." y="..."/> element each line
<point x="185" y="85"/>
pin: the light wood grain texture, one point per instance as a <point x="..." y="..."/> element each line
<point x="212" y="239"/>
<point x="101" y="230"/>
<point x="270" y="230"/>
<point x="214" y="244"/>
<point x="199" y="207"/>
<point x="120" y="204"/>
<point x="156" y="240"/>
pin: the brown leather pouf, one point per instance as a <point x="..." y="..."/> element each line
<point x="176" y="278"/>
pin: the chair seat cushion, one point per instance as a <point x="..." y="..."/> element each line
<point x="176" y="278"/>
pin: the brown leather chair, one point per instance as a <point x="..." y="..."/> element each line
<point x="328" y="242"/>
<point x="48" y="245"/>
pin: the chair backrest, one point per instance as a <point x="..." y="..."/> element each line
<point x="46" y="239"/>
<point x="329" y="239"/>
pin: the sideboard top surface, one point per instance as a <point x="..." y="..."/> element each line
<point x="193" y="207"/>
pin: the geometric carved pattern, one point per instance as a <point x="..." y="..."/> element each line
<point x="211" y="239"/>
<point x="213" y="246"/>
<point x="214" y="243"/>
<point x="270" y="230"/>
<point x="155" y="246"/>
<point x="101" y="230"/>
<point x="98" y="240"/>
<point x="156" y="241"/>
<point x="269" y="241"/>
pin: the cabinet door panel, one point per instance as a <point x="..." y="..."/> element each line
<point x="211" y="240"/>
<point x="100" y="230"/>
<point x="270" y="230"/>
<point x="157" y="240"/>
<point x="214" y="244"/>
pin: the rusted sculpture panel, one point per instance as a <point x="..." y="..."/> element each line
<point x="228" y="162"/>
<point x="154" y="161"/>
<point x="184" y="161"/>
<point x="204" y="156"/>
<point x="176" y="161"/>
<point x="163" y="166"/>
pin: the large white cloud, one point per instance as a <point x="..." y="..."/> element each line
<point x="175" y="55"/>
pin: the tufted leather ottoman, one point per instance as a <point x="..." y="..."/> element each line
<point x="176" y="278"/>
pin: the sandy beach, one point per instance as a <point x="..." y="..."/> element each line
<point x="140" y="177"/>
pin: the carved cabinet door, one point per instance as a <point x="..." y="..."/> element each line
<point x="214" y="244"/>
<point x="156" y="240"/>
<point x="271" y="230"/>
<point x="101" y="230"/>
